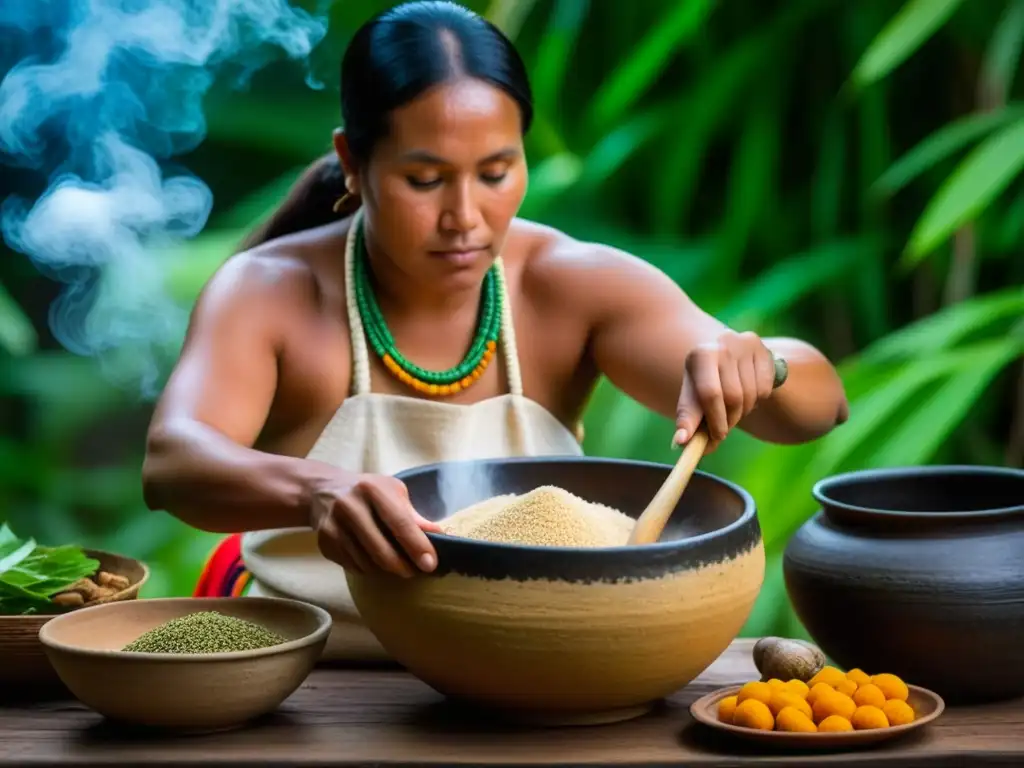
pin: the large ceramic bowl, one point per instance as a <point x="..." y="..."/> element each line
<point x="25" y="672"/>
<point x="918" y="571"/>
<point x="564" y="635"/>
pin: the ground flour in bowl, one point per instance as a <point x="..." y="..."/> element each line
<point x="546" y="516"/>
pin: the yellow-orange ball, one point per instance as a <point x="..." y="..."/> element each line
<point x="755" y="690"/>
<point x="830" y="675"/>
<point x="726" y="709"/>
<point x="793" y="720"/>
<point x="798" y="687"/>
<point x="752" y="713"/>
<point x="782" y="699"/>
<point x="891" y="686"/>
<point x="868" y="717"/>
<point x="859" y="676"/>
<point x="846" y="686"/>
<point x="869" y="694"/>
<point x="834" y="724"/>
<point x="817" y="691"/>
<point x="898" y="712"/>
<point x="833" y="704"/>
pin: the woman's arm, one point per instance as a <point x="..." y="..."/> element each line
<point x="199" y="464"/>
<point x="646" y="333"/>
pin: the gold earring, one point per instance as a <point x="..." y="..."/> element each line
<point x="340" y="203"/>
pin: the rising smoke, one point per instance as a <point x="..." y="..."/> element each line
<point x="110" y="90"/>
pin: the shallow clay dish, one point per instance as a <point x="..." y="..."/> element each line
<point x="25" y="671"/>
<point x="563" y="635"/>
<point x="926" y="704"/>
<point x="185" y="692"/>
<point x="931" y="554"/>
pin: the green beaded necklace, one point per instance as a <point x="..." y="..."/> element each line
<point x="438" y="383"/>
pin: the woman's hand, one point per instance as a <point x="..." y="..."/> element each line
<point x="348" y="511"/>
<point x="723" y="382"/>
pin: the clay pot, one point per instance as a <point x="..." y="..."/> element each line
<point x="562" y="635"/>
<point x="26" y="673"/>
<point x="920" y="572"/>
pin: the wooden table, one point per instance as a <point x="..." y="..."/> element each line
<point x="388" y="718"/>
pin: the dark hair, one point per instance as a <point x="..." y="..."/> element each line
<point x="391" y="60"/>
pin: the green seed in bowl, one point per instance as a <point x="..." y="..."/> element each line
<point x="204" y="632"/>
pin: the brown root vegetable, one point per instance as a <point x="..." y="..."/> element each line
<point x="787" y="659"/>
<point x="111" y="581"/>
<point x="68" y="600"/>
<point x="90" y="590"/>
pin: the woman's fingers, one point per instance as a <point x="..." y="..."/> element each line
<point x="732" y="390"/>
<point x="397" y="513"/>
<point x="747" y="370"/>
<point x="708" y="384"/>
<point x="336" y="546"/>
<point x="363" y="527"/>
<point x="688" y="412"/>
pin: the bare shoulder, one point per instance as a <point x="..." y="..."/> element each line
<point x="286" y="275"/>
<point x="587" y="275"/>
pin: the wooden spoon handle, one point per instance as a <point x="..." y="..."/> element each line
<point x="650" y="524"/>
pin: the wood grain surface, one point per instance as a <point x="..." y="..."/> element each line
<point x="346" y="717"/>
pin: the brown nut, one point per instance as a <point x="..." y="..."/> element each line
<point x="68" y="600"/>
<point x="786" y="659"/>
<point x="111" y="580"/>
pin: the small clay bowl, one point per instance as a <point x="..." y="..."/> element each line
<point x="917" y="571"/>
<point x="26" y="673"/>
<point x="567" y="635"/>
<point x="183" y="692"/>
<point x="927" y="706"/>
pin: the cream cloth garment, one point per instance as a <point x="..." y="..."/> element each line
<point x="385" y="434"/>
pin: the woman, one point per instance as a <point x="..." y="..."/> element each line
<point x="332" y="353"/>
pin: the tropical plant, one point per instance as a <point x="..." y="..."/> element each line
<point x="843" y="172"/>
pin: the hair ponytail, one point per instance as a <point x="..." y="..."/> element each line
<point x="309" y="203"/>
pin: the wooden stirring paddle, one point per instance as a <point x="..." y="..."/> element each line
<point x="651" y="522"/>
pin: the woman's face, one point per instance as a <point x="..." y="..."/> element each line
<point x="441" y="189"/>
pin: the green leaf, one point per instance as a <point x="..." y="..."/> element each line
<point x="256" y="206"/>
<point x="48" y="570"/>
<point x="15" y="601"/>
<point x="612" y="151"/>
<point x="780" y="286"/>
<point x="632" y="78"/>
<point x="1002" y="57"/>
<point x="706" y="106"/>
<point x="509" y="15"/>
<point x="983" y="174"/>
<point x="17" y="335"/>
<point x="554" y="52"/>
<point x="935" y="417"/>
<point x="827" y="197"/>
<point x="751" y="176"/>
<point x="698" y="114"/>
<point x="912" y="25"/>
<point x="947" y="327"/>
<point x="31" y="574"/>
<point x="549" y="180"/>
<point x="281" y="125"/>
<point x="16" y="555"/>
<point x="943" y="143"/>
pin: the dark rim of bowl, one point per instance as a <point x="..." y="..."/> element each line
<point x="749" y="510"/>
<point x="821" y="490"/>
<point x="323" y="628"/>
